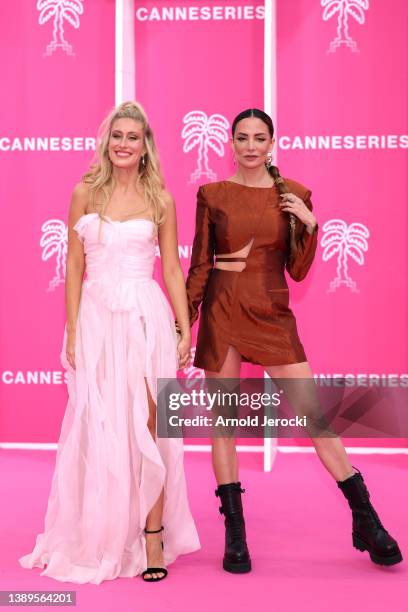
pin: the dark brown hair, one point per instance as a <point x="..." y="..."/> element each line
<point x="273" y="170"/>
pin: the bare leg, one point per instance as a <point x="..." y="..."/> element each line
<point x="224" y="454"/>
<point x="368" y="533"/>
<point x="154" y="549"/>
<point x="330" y="450"/>
<point x="225" y="464"/>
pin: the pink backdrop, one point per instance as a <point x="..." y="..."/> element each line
<point x="60" y="95"/>
<point x="209" y="60"/>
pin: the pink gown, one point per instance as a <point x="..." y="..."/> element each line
<point x="109" y="471"/>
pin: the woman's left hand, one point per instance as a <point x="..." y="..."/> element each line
<point x="183" y="351"/>
<point x="292" y="204"/>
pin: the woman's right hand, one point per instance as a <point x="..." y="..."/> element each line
<point x="70" y="348"/>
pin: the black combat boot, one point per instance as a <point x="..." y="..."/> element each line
<point x="236" y="555"/>
<point x="368" y="531"/>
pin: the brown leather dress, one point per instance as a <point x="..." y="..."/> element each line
<point x="249" y="309"/>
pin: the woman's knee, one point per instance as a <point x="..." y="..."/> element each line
<point x="223" y="443"/>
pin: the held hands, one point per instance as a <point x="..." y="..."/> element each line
<point x="183" y="351"/>
<point x="292" y="204"/>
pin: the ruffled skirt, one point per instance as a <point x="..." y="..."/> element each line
<point x="109" y="471"/>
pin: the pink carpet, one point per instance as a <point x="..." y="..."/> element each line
<point x="299" y="533"/>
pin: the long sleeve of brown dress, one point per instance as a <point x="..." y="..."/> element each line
<point x="299" y="266"/>
<point x="250" y="309"/>
<point x="201" y="257"/>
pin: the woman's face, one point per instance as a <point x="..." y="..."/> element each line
<point x="126" y="143"/>
<point x="252" y="142"/>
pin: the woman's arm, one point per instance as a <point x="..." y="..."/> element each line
<point x="75" y="267"/>
<point x="202" y="257"/>
<point x="306" y="236"/>
<point x="174" y="279"/>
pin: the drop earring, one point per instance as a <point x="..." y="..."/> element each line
<point x="269" y="159"/>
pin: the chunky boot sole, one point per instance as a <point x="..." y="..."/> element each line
<point x="237" y="568"/>
<point x="379" y="560"/>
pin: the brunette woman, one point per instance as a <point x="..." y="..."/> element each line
<point x="249" y="230"/>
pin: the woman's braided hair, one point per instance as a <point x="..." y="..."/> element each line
<point x="273" y="170"/>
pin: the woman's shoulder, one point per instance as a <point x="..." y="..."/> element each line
<point x="80" y="197"/>
<point x="211" y="191"/>
<point x="297" y="188"/>
<point x="167" y="198"/>
<point x="81" y="191"/>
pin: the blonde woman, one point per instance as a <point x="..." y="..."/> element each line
<point x="118" y="504"/>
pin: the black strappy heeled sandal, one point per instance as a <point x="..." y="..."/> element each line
<point x="155" y="570"/>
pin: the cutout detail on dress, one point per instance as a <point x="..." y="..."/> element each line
<point x="234" y="262"/>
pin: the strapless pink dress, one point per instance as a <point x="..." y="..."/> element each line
<point x="109" y="471"/>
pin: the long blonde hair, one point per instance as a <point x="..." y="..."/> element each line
<point x="100" y="176"/>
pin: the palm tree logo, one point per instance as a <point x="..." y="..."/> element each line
<point x="60" y="10"/>
<point x="54" y="242"/>
<point x="344" y="10"/>
<point x="206" y="133"/>
<point x="345" y="241"/>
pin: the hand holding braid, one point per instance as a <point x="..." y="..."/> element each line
<point x="295" y="207"/>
